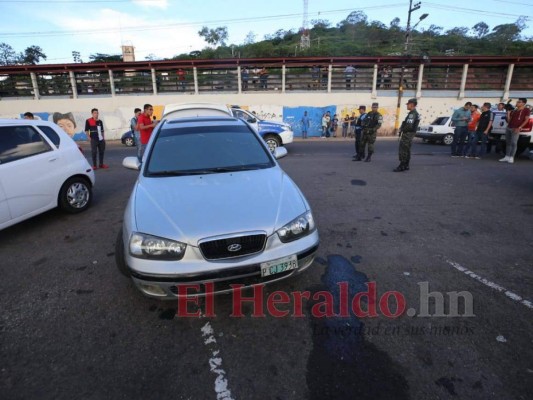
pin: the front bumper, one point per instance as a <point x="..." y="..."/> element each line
<point x="430" y="135"/>
<point x="222" y="274"/>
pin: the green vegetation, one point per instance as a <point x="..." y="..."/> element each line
<point x="356" y="36"/>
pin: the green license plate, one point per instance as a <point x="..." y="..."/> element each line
<point x="278" y="266"/>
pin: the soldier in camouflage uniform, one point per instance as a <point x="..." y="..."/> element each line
<point x="407" y="133"/>
<point x="370" y="125"/>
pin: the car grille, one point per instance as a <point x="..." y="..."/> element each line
<point x="241" y="246"/>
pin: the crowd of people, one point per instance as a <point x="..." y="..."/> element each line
<point x="473" y="127"/>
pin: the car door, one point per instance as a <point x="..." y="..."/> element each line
<point x="28" y="170"/>
<point x="5" y="215"/>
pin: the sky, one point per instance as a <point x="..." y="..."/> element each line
<point x="166" y="28"/>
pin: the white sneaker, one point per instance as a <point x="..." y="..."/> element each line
<point x="504" y="159"/>
<point x="511" y="160"/>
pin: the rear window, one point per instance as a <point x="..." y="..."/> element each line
<point x="18" y="142"/>
<point x="51" y="134"/>
<point x="207" y="148"/>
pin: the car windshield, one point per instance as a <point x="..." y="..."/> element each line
<point x="440" y="121"/>
<point x="206" y="150"/>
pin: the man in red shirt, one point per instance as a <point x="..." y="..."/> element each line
<point x="517" y="119"/>
<point x="146" y="125"/>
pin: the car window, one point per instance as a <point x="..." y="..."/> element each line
<point x="51" y="134"/>
<point x="18" y="142"/>
<point x="206" y="149"/>
<point x="440" y="121"/>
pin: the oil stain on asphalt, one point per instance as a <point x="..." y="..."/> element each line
<point x="342" y="363"/>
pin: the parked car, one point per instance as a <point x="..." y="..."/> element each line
<point x="41" y="168"/>
<point x="211" y="204"/>
<point x="499" y="125"/>
<point x="274" y="133"/>
<point x="128" y="139"/>
<point x="440" y="130"/>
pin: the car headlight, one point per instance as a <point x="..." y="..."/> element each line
<point x="297" y="228"/>
<point x="155" y="248"/>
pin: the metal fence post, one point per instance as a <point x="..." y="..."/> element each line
<point x="35" y="85"/>
<point x="375" y="82"/>
<point x="508" y="80"/>
<point x="419" y="83"/>
<point x="463" y="82"/>
<point x="154" y="81"/>
<point x="111" y="82"/>
<point x="283" y="78"/>
<point x="73" y="84"/>
<point x="195" y="76"/>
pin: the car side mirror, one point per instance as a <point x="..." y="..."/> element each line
<point x="252" y="120"/>
<point x="280" y="152"/>
<point x="131" y="163"/>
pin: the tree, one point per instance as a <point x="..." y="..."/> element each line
<point x="100" y="57"/>
<point x="150" y="57"/>
<point x="250" y="38"/>
<point x="76" y="56"/>
<point x="395" y="23"/>
<point x="32" y="55"/>
<point x="458" y="31"/>
<point x="215" y="36"/>
<point x="480" y="29"/>
<point x="8" y="55"/>
<point x="357" y="17"/>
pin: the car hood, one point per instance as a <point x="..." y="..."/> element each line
<point x="190" y="208"/>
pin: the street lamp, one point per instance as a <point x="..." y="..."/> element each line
<point x="412" y="8"/>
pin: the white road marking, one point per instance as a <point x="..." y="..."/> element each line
<point x="492" y="285"/>
<point x="215" y="364"/>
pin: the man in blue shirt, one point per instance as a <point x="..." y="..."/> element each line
<point x="460" y="118"/>
<point x="305" y="125"/>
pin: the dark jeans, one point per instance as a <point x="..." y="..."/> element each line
<point x="471" y="148"/>
<point x="358" y="136"/>
<point x="459" y="137"/>
<point x="98" y="146"/>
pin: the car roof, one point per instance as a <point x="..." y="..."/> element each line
<point x="203" y="120"/>
<point x="6" y="121"/>
<point x="195" y="110"/>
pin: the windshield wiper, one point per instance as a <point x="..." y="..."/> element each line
<point x="180" y="173"/>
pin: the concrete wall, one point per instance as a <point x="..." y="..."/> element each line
<point x="116" y="111"/>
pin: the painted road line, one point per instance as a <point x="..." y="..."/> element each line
<point x="492" y="285"/>
<point x="215" y="364"/>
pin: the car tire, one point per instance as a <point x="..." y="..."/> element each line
<point x="448" y="139"/>
<point x="129" y="142"/>
<point x="75" y="195"/>
<point x="120" y="260"/>
<point x="272" y="142"/>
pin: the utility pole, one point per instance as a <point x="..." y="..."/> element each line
<point x="406" y="53"/>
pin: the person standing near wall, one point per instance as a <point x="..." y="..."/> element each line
<point x="146" y="125"/>
<point x="133" y="126"/>
<point x="94" y="129"/>
<point x="407" y="133"/>
<point x="517" y="119"/>
<point x="28" y="115"/>
<point x="461" y="118"/>
<point x="305" y="125"/>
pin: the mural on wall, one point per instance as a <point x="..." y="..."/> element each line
<point x="293" y="117"/>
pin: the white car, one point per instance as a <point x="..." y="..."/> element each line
<point x="441" y="130"/>
<point x="41" y="168"/>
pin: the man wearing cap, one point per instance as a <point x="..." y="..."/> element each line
<point x="370" y="124"/>
<point x="358" y="130"/>
<point x="407" y="133"/>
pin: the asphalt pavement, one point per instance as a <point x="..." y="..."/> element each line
<point x="450" y="231"/>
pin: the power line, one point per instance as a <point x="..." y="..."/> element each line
<point x="189" y="24"/>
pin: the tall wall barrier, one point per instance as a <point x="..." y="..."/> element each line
<point x="277" y="89"/>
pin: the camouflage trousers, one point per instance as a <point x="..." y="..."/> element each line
<point x="405" y="147"/>
<point x="369" y="137"/>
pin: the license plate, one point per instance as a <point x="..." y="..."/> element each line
<point x="278" y="266"/>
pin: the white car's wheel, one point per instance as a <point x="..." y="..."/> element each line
<point x="75" y="195"/>
<point x="272" y="142"/>
<point x="129" y="142"/>
<point x="448" y="139"/>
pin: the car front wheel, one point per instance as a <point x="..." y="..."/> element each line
<point x="272" y="142"/>
<point x="448" y="139"/>
<point x="75" y="195"/>
<point x="129" y="142"/>
<point x="119" y="256"/>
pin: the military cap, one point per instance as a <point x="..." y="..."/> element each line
<point x="362" y="107"/>
<point x="375" y="105"/>
<point x="413" y="100"/>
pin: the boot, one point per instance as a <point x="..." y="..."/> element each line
<point x="400" y="168"/>
<point x="358" y="157"/>
<point x="368" y="157"/>
<point x="406" y="166"/>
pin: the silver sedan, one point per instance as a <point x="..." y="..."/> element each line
<point x="212" y="205"/>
